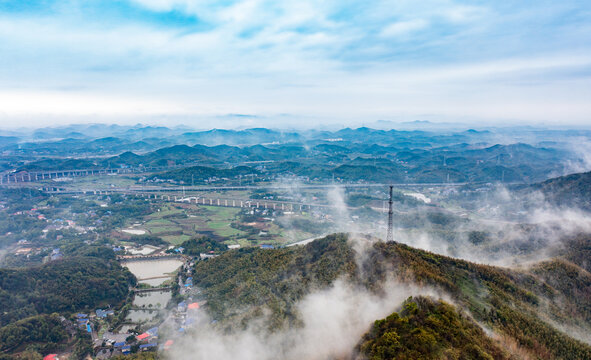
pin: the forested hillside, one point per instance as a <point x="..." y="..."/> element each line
<point x="573" y="190"/>
<point x="519" y="305"/>
<point x="273" y="278"/>
<point x="62" y="286"/>
<point x="428" y="329"/>
<point x="46" y="331"/>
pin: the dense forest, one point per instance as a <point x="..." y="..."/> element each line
<point x="198" y="174"/>
<point x="68" y="285"/>
<point x="46" y="332"/>
<point x="273" y="278"/>
<point x="196" y="246"/>
<point x="428" y="329"/>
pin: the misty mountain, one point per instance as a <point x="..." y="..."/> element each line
<point x="520" y="306"/>
<point x="348" y="137"/>
<point x="325" y="161"/>
<point x="8" y="140"/>
<point x="239" y="137"/>
<point x="572" y="190"/>
<point x="498" y="163"/>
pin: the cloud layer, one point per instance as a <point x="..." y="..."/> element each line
<point x="336" y="60"/>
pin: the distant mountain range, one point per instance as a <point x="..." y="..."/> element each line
<point x="347" y="154"/>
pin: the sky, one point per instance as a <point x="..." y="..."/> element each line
<point x="227" y="63"/>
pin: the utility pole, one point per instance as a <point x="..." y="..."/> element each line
<point x="390" y="236"/>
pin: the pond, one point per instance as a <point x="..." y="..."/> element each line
<point x="153" y="272"/>
<point x="153" y="298"/>
<point x="137" y="316"/>
<point x="144" y="250"/>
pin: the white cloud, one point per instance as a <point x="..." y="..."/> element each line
<point x="333" y="321"/>
<point x="460" y="14"/>
<point x="313" y="59"/>
<point x="81" y="104"/>
<point x="402" y="28"/>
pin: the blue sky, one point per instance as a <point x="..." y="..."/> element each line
<point x="294" y="62"/>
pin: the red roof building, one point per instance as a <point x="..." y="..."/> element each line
<point x="193" y="306"/>
<point x="143" y="336"/>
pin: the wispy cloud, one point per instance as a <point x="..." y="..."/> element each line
<point x="404" y="27"/>
<point x="330" y="59"/>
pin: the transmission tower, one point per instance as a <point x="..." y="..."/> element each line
<point x="390" y="236"/>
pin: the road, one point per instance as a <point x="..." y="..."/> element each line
<point x="179" y="189"/>
<point x="307" y="241"/>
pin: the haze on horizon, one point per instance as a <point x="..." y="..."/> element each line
<point x="261" y="63"/>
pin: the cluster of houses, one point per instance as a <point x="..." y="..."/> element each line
<point x="24" y="250"/>
<point x="34" y="212"/>
<point x="122" y="344"/>
<point x="184" y="315"/>
<point x="84" y="323"/>
<point x="60" y="224"/>
<point x="149" y="339"/>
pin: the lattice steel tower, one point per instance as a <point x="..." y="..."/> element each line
<point x="390" y="236"/>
